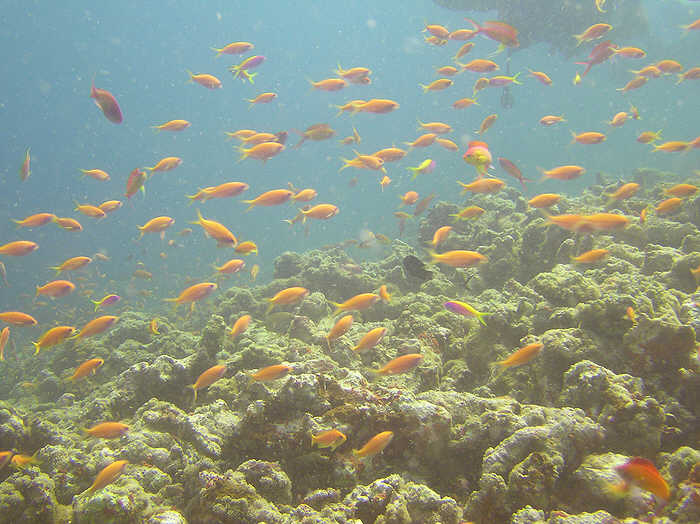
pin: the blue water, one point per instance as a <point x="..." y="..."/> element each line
<point x="140" y="52"/>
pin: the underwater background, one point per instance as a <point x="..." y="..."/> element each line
<point x="572" y="433"/>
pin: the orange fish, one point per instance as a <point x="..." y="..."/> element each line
<point x="290" y="295"/>
<point x="550" y="120"/>
<point x="522" y="356"/>
<point x="234" y="48"/>
<point x="254" y="272"/>
<point x="635" y="83"/>
<point x="446" y="143"/>
<point x="376" y="106"/>
<point x="274" y="197"/>
<point x="89" y="210"/>
<point x="483" y="185"/>
<point x="542" y="77"/>
<point x="486" y="123"/>
<point x="39" y="219"/>
<point x="225" y="190"/>
<point x="464" y="49"/>
<point x="464" y="102"/>
<point x="400" y="364"/>
<point x="544" y="200"/>
<point x="669" y="66"/>
<point x="619" y="119"/>
<point x="568" y="172"/>
<point x="108" y="475"/>
<point x="437" y="85"/>
<point x="193" y="294"/>
<point x="55" y="288"/>
<point x="480" y="65"/>
<point x="107" y="430"/>
<point x="447" y="71"/>
<point x="328" y="439"/>
<point x="590" y="137"/>
<point x="96" y="174"/>
<point x="107" y="103"/>
<point x="390" y="154"/>
<point x="424" y="140"/>
<point x="462" y="34"/>
<point x="270" y="373"/>
<point x="240" y="326"/>
<point x="156" y="225"/>
<point x="230" y="267"/>
<point x="630" y="52"/>
<point x="17" y="318"/>
<point x="375" y="445"/>
<point x="458" y="258"/>
<point x="165" y="164"/>
<point x="356" y="303"/>
<point x="305" y="195"/>
<point x="246" y="248"/>
<point x="681" y="190"/>
<point x="52" y="337"/>
<point x="650" y="71"/>
<point x="329" y="84"/>
<point x="481" y="83"/>
<point x="649" y="136"/>
<point x="354" y="74"/>
<point x="592" y="33"/>
<point x="18" y="248"/>
<point x="641" y="472"/>
<point x="589" y="257"/>
<point x="25" y="168"/>
<point x="691" y="74"/>
<point x="110" y="205"/>
<point x="217" y="231"/>
<point x="467" y="213"/>
<point x="440" y="235"/>
<point x="89" y="367"/>
<point x="603" y="222"/>
<point x="624" y="191"/>
<point x="72" y="264"/>
<point x="341" y="327"/>
<point x="206" y="80"/>
<point x="370" y="339"/>
<point x="22" y="461"/>
<point x="316" y="132"/>
<point x="207" y="378"/>
<point x="97" y="326"/>
<point x="263" y="151"/>
<point x="672" y="147"/>
<point x="173" y="125"/>
<point x="409" y="198"/>
<point x="262" y="98"/>
<point x="4" y="337"/>
<point x="384" y="294"/>
<point x="668" y="206"/>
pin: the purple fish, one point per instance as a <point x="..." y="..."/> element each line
<point x="106" y="301"/>
<point x="464" y="309"/>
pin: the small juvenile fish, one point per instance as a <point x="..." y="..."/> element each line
<point x="207" y="378"/>
<point x="108" y="475"/>
<point x="270" y="373"/>
<point x="331" y="438"/>
<point x="375" y="445"/>
<point x="240" y="326"/>
<point x="107" y="430"/>
<point x="401" y="364"/>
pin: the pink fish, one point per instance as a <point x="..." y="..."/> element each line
<point x="599" y="54"/>
<point x="135" y="182"/>
<point x="513" y="170"/>
<point x="107" y="103"/>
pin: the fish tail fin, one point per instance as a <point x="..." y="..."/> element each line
<point x="195" y="391"/>
<point x="97" y="304"/>
<point x="37" y="348"/>
<point x="433" y="256"/>
<point x="480" y="316"/>
<point x="251" y="204"/>
<point x="270" y="306"/>
<point x="191" y="75"/>
<point x="474" y="24"/>
<point x="218" y="51"/>
<point x="425" y="88"/>
<point x="515" y="79"/>
<point x="496" y="369"/>
<point x="573" y="137"/>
